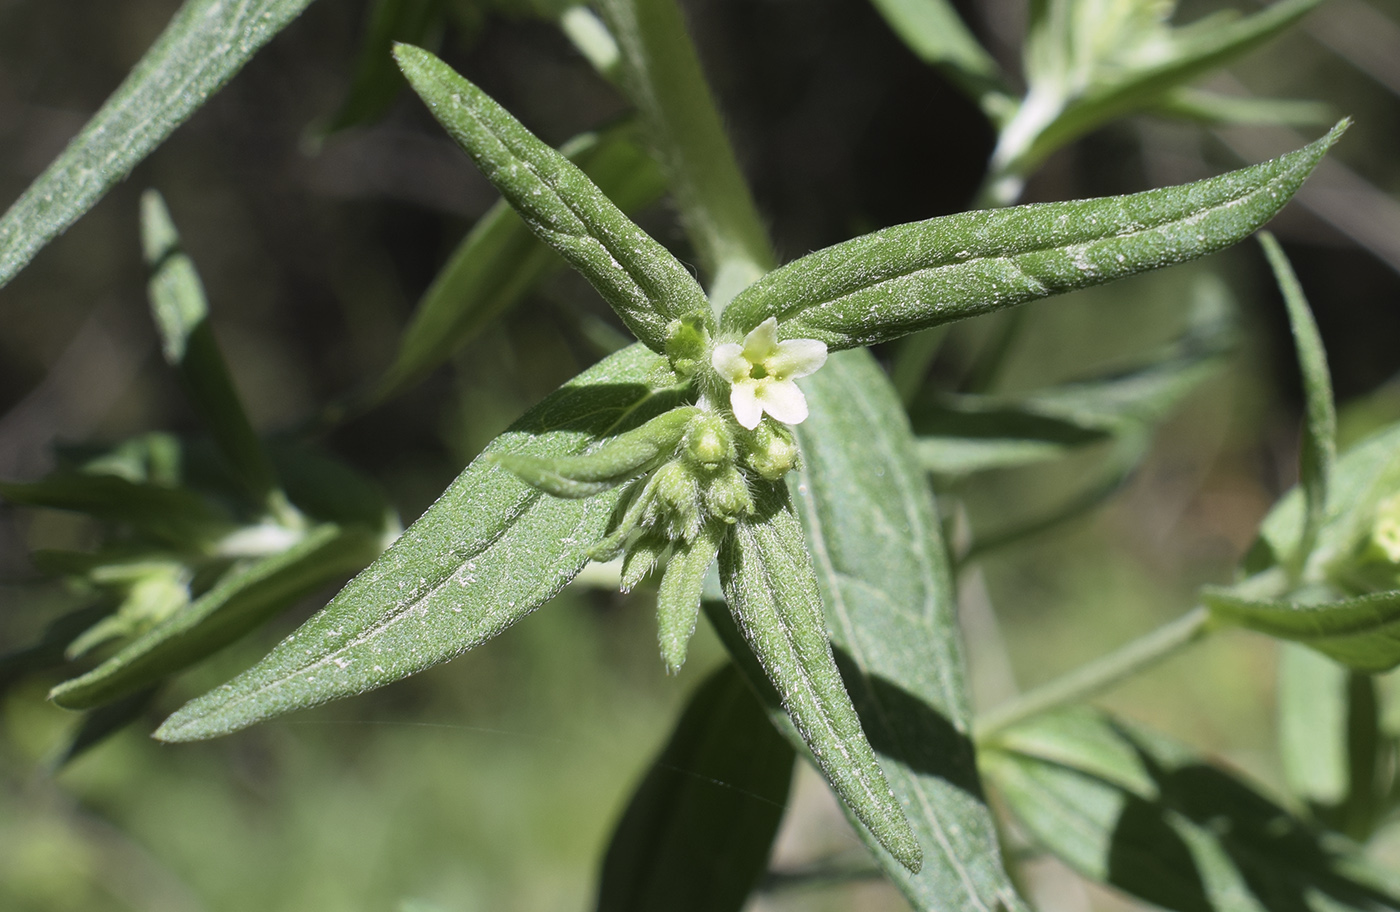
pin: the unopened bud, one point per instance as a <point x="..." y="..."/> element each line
<point x="707" y="442"/>
<point x="727" y="496"/>
<point x="688" y="343"/>
<point x="770" y="451"/>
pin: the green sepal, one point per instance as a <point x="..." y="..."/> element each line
<point x="899" y="280"/>
<point x="644" y="283"/>
<point x="614" y="461"/>
<point x="641" y="558"/>
<point x="678" y="601"/>
<point x="772" y="592"/>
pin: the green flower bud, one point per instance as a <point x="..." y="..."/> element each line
<point x="1385" y="531"/>
<point x="688" y="343"/>
<point x="727" y="496"/>
<point x="708" y="444"/>
<point x="675" y="503"/>
<point x="770" y="450"/>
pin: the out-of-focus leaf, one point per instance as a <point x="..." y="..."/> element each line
<point x="1224" y="110"/>
<point x="205" y="44"/>
<point x="934" y="31"/>
<point x="1330" y="740"/>
<point x="896" y="281"/>
<point x="883" y="572"/>
<point x="327" y="489"/>
<point x="644" y="283"/>
<point x="772" y="590"/>
<point x="1132" y="809"/>
<point x="1167" y="61"/>
<point x="500" y="260"/>
<point x="1365" y="474"/>
<point x="697" y="833"/>
<point x="961" y="433"/>
<point x="48" y="652"/>
<point x="662" y="78"/>
<point x="490" y="551"/>
<point x="175" y="516"/>
<point x="1312" y="724"/>
<point x="1362" y="633"/>
<point x="377" y="81"/>
<point x="187" y="341"/>
<point x="241" y="601"/>
<point x="1318" y="449"/>
<point x="101" y="723"/>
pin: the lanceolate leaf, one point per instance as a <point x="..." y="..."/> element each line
<point x="490" y="551"/>
<point x="175" y="516"/>
<point x="1362" y="633"/>
<point x="772" y="592"/>
<point x="883" y="572"/>
<point x="187" y="341"/>
<point x="909" y="277"/>
<point x="241" y="601"/>
<point x="205" y="44"/>
<point x="1318" y="450"/>
<point x="1141" y="813"/>
<point x="500" y="260"/>
<point x="643" y="282"/>
<point x="697" y="833"/>
<point x="377" y="81"/>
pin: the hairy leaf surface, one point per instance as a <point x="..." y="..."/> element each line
<point x="1362" y="632"/>
<point x="644" y="283"/>
<point x="906" y="278"/>
<point x="487" y="553"/>
<point x="205" y="44"/>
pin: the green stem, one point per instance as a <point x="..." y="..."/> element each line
<point x="661" y="75"/>
<point x="1099" y="674"/>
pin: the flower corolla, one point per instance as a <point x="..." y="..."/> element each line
<point x="761" y="372"/>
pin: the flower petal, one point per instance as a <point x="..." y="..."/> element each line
<point x="743" y="399"/>
<point x="796" y="358"/>
<point x="729" y="362"/>
<point x="762" y="341"/>
<point x="783" y="400"/>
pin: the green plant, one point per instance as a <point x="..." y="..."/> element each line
<point x="694" y="448"/>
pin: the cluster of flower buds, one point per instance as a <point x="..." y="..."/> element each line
<point x="688" y="472"/>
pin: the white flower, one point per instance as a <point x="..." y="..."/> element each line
<point x="761" y="374"/>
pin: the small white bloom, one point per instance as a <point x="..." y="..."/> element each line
<point x="761" y="374"/>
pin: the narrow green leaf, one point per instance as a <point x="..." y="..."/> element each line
<point x="662" y="77"/>
<point x="1134" y="810"/>
<point x="489" y="552"/>
<point x="934" y="31"/>
<point x="643" y="282"/>
<point x="47" y="652"/>
<point x="241" y="601"/>
<point x="1318" y="449"/>
<point x="885" y="582"/>
<point x="377" y="81"/>
<point x="772" y="590"/>
<point x="1196" y="50"/>
<point x="328" y="490"/>
<point x="1362" y="633"/>
<point x="1243" y="110"/>
<point x="205" y="44"/>
<point x="500" y="260"/>
<point x="678" y="600"/>
<point x="909" y="277"/>
<point x="175" y="516"/>
<point x="187" y="341"/>
<point x="697" y="833"/>
<point x="613" y="461"/>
